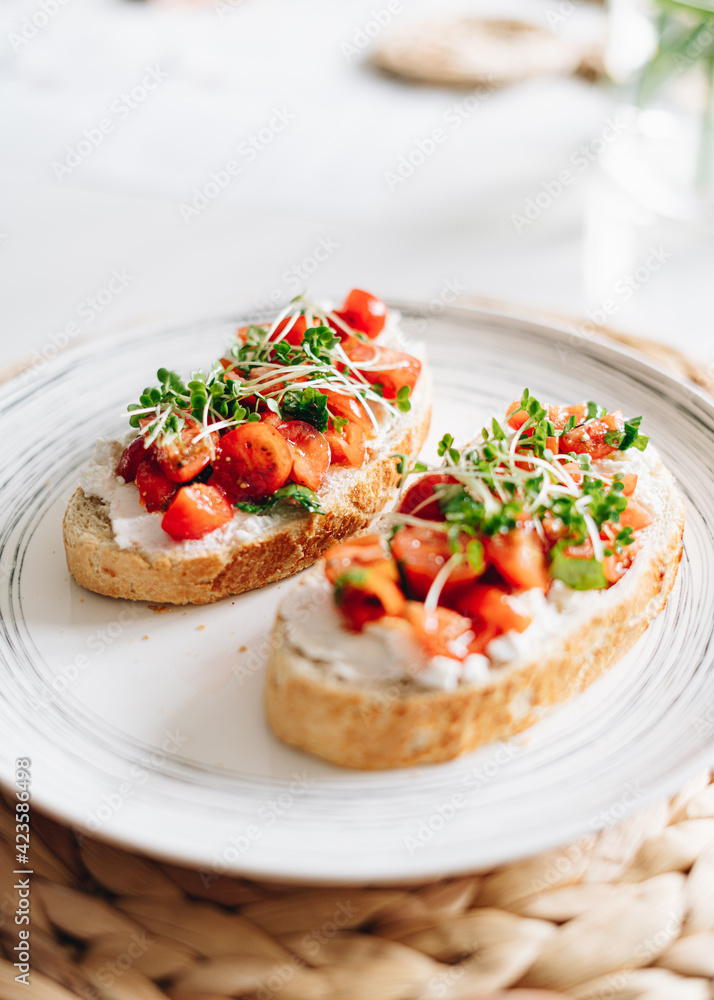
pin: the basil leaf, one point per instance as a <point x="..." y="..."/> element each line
<point x="293" y="493"/>
<point x="632" y="438"/>
<point x="580" y="574"/>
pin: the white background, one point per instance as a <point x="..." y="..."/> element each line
<point x="323" y="177"/>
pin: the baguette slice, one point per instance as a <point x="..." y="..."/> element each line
<point x="363" y="724"/>
<point x="277" y="546"/>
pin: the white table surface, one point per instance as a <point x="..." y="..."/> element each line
<point x="227" y="68"/>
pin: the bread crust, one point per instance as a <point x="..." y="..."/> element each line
<point x="171" y="576"/>
<point x="359" y="727"/>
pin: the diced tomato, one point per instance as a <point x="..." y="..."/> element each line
<point x="369" y="596"/>
<point x="233" y="492"/>
<point x="515" y="416"/>
<point x="489" y="605"/>
<point x="552" y="443"/>
<point x="615" y="566"/>
<point x="345" y="406"/>
<point x="554" y="528"/>
<point x="483" y="632"/>
<point x="419" y="499"/>
<point x="393" y="369"/>
<point x="196" y="510"/>
<point x="132" y="456"/>
<point x="366" y="550"/>
<point x="295" y="334"/>
<point x="184" y="456"/>
<point x="437" y="630"/>
<point x="310" y="450"/>
<point x="557" y="415"/>
<point x="560" y="415"/>
<point x="348" y="447"/>
<point x="421" y="553"/>
<point x="583" y="551"/>
<point x="519" y="558"/>
<point x="253" y="460"/>
<point x="574" y="471"/>
<point x="590" y="436"/>
<point x="364" y="312"/>
<point x="634" y="516"/>
<point x="156" y="491"/>
<point x="231" y="374"/>
<point x="348" y="342"/>
<point x="629" y="483"/>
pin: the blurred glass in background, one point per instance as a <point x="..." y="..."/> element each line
<point x="653" y="205"/>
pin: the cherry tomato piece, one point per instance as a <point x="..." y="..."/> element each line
<point x="372" y="597"/>
<point x="437" y="630"/>
<point x="196" y="510"/>
<point x="253" y="460"/>
<point x="519" y="558"/>
<point x="132" y="457"/>
<point x="364" y="312"/>
<point x="560" y="415"/>
<point x="590" y="436"/>
<point x="186" y="454"/>
<point x="629" y="483"/>
<point x="369" y="550"/>
<point x="310" y="451"/>
<point x="557" y="415"/>
<point x="615" y="566"/>
<point x="348" y="447"/>
<point x="420" y="501"/>
<point x="156" y="491"/>
<point x="634" y="516"/>
<point x="515" y="416"/>
<point x="489" y="605"/>
<point x="347" y="407"/>
<point x="421" y="553"/>
<point x="295" y="334"/>
<point x="391" y="369"/>
<point x="483" y="632"/>
<point x="228" y="486"/>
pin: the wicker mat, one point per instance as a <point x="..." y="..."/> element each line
<point x="624" y="915"/>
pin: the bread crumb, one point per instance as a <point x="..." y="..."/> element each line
<point x="200" y="628"/>
<point x="243" y="649"/>
<point x="144" y="637"/>
<point x="159" y="609"/>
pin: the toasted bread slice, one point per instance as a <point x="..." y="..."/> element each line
<point x="233" y="561"/>
<point x="348" y="717"/>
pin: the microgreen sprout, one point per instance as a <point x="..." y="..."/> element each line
<point x="263" y="367"/>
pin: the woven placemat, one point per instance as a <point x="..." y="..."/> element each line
<point x="627" y="914"/>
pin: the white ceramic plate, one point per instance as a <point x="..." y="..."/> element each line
<point x="148" y="728"/>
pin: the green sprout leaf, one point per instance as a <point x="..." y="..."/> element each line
<point x="307" y="404"/>
<point x="402" y="400"/>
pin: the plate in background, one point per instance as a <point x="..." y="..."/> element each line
<point x="147" y="728"/>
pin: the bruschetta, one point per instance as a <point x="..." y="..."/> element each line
<point x="244" y="473"/>
<point x="509" y="578"/>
